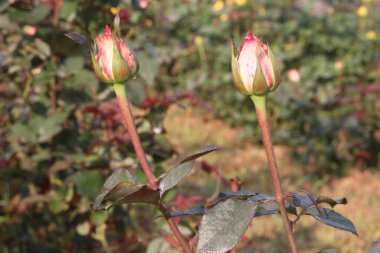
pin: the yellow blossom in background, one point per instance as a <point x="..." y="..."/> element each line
<point x="114" y="10"/>
<point x="218" y="6"/>
<point x="229" y="2"/>
<point x="371" y="35"/>
<point x="198" y="40"/>
<point x="224" y="17"/>
<point x="362" y="11"/>
<point x="262" y="11"/>
<point x="148" y="22"/>
<point x="240" y="2"/>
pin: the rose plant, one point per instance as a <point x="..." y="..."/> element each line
<point x="255" y="73"/>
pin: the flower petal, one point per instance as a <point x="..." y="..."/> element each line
<point x="104" y="57"/>
<point x="238" y="83"/>
<point x="266" y="65"/>
<point x="126" y="53"/>
<point x="247" y="60"/>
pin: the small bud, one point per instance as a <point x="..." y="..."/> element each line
<point x="116" y="25"/>
<point x="254" y="69"/>
<point x="113" y="61"/>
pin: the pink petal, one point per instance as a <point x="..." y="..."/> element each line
<point x="126" y="53"/>
<point x="266" y="66"/>
<point x="247" y="60"/>
<point x="105" y="47"/>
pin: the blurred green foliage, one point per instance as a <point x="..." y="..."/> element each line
<point x="61" y="134"/>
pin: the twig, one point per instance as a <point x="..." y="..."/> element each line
<point x="259" y="102"/>
<point x="130" y="125"/>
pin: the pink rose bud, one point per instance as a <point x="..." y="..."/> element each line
<point x="113" y="61"/>
<point x="294" y="75"/>
<point x="254" y="69"/>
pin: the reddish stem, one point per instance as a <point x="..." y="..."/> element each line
<point x="130" y="125"/>
<point x="267" y="140"/>
<point x="173" y="227"/>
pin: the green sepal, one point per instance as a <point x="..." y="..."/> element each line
<point x="259" y="83"/>
<point x="276" y="70"/>
<point x="98" y="70"/>
<point x="236" y="77"/>
<point x="120" y="69"/>
<point x="137" y="65"/>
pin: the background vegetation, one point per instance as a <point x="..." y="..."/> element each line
<point x="61" y="134"/>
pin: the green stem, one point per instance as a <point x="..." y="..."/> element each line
<point x="130" y="125"/>
<point x="259" y="102"/>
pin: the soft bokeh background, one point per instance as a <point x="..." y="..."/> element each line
<point x="61" y="135"/>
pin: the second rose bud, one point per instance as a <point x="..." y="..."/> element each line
<point x="113" y="60"/>
<point x="254" y="69"/>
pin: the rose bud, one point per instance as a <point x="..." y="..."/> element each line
<point x="113" y="61"/>
<point x="254" y="69"/>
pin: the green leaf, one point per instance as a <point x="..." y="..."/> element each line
<point x="34" y="16"/>
<point x="74" y="63"/>
<point x="267" y="208"/>
<point x="329" y="251"/>
<point x="81" y="81"/>
<point x="332" y="218"/>
<point x="331" y="202"/>
<point x="144" y="195"/>
<point x="99" y="218"/>
<point x="267" y="204"/>
<point x="6" y="24"/>
<point x="24" y="133"/>
<point x="179" y="172"/>
<point x="303" y="200"/>
<point x="243" y="195"/>
<point x="45" y="128"/>
<point x="40" y="129"/>
<point x="204" y="151"/>
<point x="88" y="183"/>
<point x="151" y="66"/>
<point x="374" y="248"/>
<point x="174" y="176"/>
<point x="191" y="212"/>
<point x="121" y="187"/>
<point x="118" y="176"/>
<point x="56" y="203"/>
<point x="68" y="9"/>
<point x="107" y="198"/>
<point x="44" y="50"/>
<point x="77" y="38"/>
<point x="239" y="194"/>
<point x="224" y="224"/>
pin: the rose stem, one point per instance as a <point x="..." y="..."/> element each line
<point x="130" y="125"/>
<point x="259" y="102"/>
